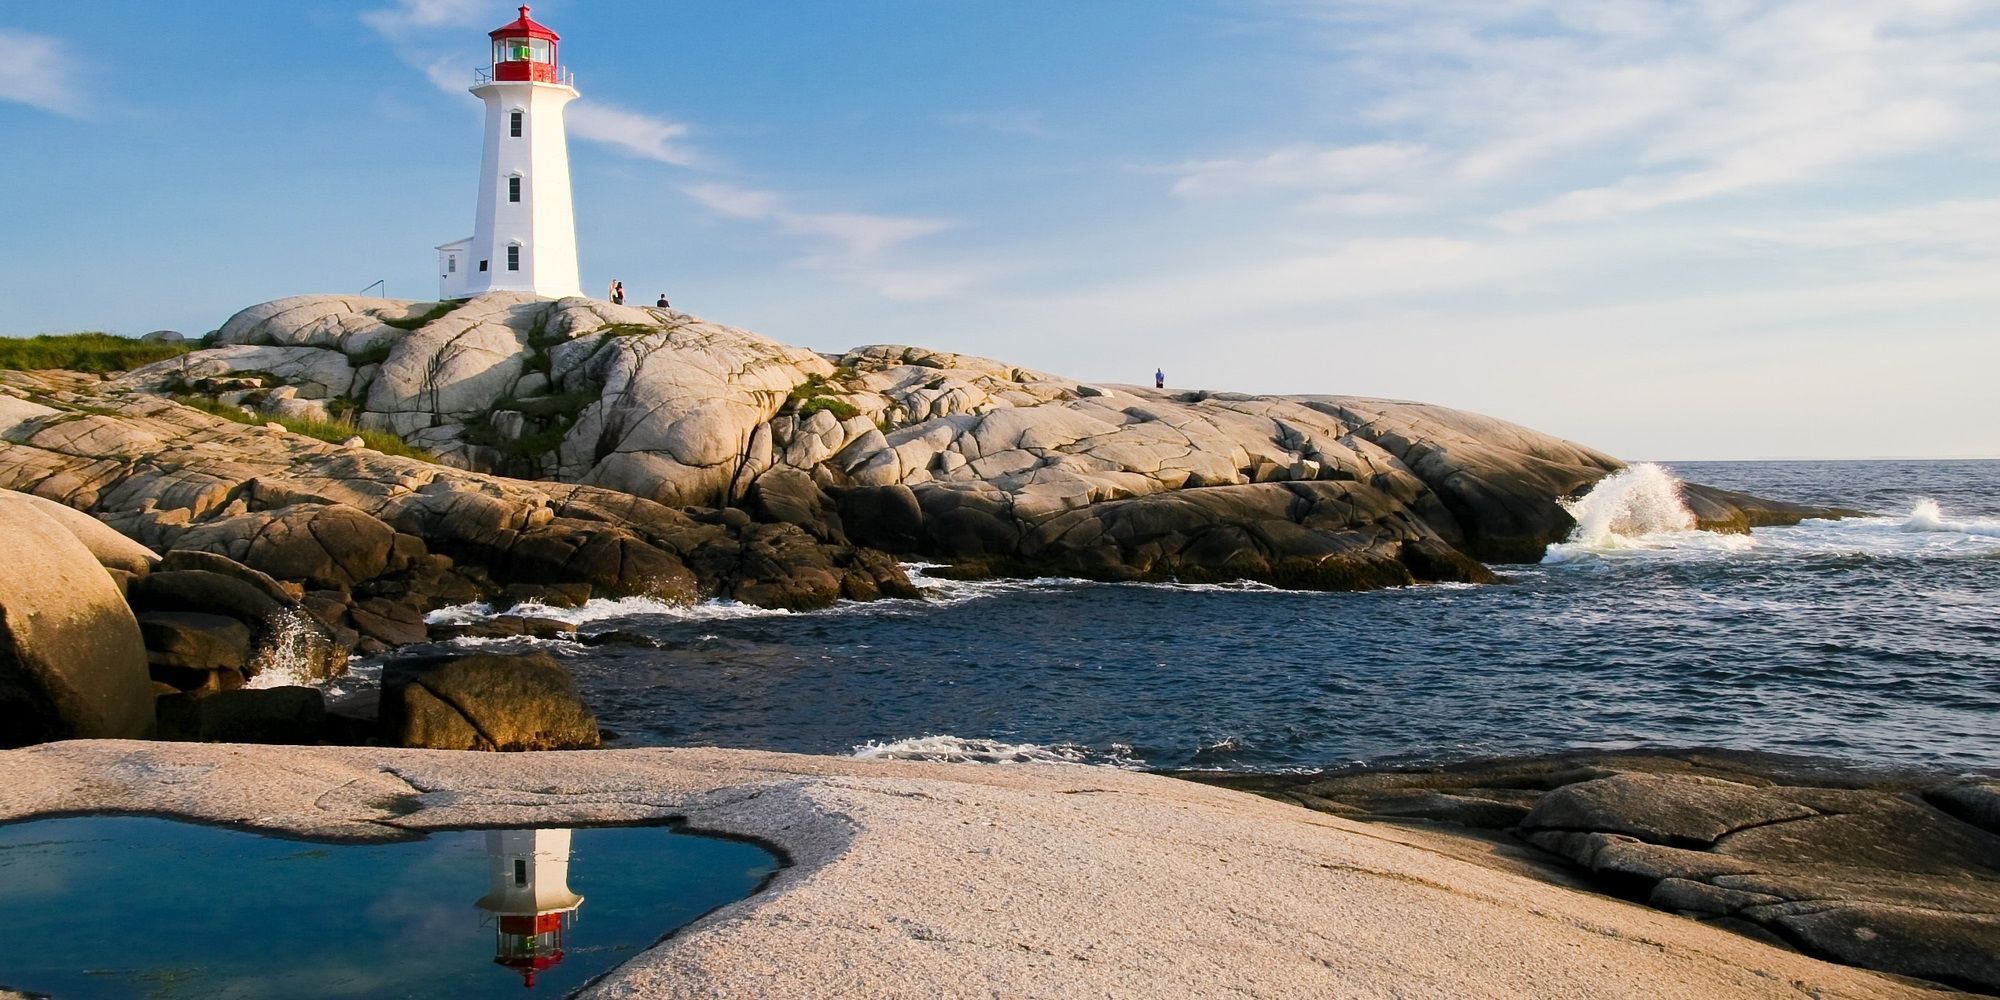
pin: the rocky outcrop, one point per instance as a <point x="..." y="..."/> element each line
<point x="72" y="661"/>
<point x="369" y="541"/>
<point x="1893" y="872"/>
<point x="947" y="457"/>
<point x="484" y="702"/>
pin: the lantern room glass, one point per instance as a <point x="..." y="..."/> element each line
<point x="537" y="50"/>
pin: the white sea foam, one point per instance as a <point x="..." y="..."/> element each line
<point x="1638" y="514"/>
<point x="1636" y="510"/>
<point x="1927" y="516"/>
<point x="961" y="750"/>
<point x="285" y="663"/>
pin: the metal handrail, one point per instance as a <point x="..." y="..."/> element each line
<point x="483" y="75"/>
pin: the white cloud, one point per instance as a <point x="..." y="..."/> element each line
<point x="851" y="244"/>
<point x="648" y="136"/>
<point x="39" y="72"/>
<point x="857" y="234"/>
<point x="1302" y="167"/>
<point x="411" y="16"/>
<point x="1627" y="106"/>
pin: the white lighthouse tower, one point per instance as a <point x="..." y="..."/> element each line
<point x="524" y="238"/>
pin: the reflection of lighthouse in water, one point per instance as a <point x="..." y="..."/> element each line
<point x="529" y="897"/>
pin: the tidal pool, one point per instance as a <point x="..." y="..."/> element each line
<point x="132" y="906"/>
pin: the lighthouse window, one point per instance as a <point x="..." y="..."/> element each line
<point x="513" y="189"/>
<point x="513" y="256"/>
<point x="482" y="265"/>
<point x="514" y="125"/>
<point x="520" y="872"/>
<point x="451" y="265"/>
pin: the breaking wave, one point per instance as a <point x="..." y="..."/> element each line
<point x="1638" y="508"/>
<point x="1638" y="513"/>
<point x="1927" y="516"/>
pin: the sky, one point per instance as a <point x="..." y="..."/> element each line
<point x="1700" y="229"/>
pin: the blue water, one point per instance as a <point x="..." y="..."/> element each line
<point x="125" y="906"/>
<point x="1870" y="641"/>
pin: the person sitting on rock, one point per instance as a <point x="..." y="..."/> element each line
<point x="663" y="301"/>
<point x="617" y="292"/>
<point x="1159" y="378"/>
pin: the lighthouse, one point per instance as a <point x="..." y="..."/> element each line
<point x="524" y="234"/>
<point x="529" y="897"/>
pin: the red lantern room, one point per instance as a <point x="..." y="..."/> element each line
<point x="525" y="50"/>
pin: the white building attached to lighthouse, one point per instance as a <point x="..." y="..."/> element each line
<point x="524" y="235"/>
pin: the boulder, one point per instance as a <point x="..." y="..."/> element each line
<point x="111" y="549"/>
<point x="72" y="662"/>
<point x="194" y="641"/>
<point x="286" y="639"/>
<point x="1676" y="810"/>
<point x="205" y="592"/>
<point x="323" y="545"/>
<point x="484" y="702"/>
<point x="388" y="622"/>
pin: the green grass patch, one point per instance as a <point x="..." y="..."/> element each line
<point x="435" y="311"/>
<point x="330" y="431"/>
<point x="83" y="352"/>
<point x="629" y="329"/>
<point x="840" y="408"/>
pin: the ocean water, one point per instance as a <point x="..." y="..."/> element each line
<point x="1873" y="640"/>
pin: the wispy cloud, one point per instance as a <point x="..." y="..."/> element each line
<point x="857" y="234"/>
<point x="1944" y="225"/>
<point x="1627" y="106"/>
<point x="1301" y="167"/>
<point x="409" y="17"/>
<point x="40" y="72"/>
<point x="850" y="243"/>
<point x="647" y="136"/>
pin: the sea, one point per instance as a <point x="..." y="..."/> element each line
<point x="1873" y="641"/>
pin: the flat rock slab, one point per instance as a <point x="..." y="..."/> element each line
<point x="1897" y="872"/>
<point x="935" y="880"/>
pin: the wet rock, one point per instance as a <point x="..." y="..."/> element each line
<point x="72" y="662"/>
<point x="388" y="622"/>
<point x="1677" y="810"/>
<point x="194" y="641"/>
<point x="484" y="702"/>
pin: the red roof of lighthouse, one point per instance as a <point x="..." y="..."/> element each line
<point x="525" y="25"/>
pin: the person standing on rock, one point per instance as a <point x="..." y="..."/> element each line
<point x="1159" y="378"/>
<point x="617" y="292"/>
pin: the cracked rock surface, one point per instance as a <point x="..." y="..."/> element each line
<point x="911" y="879"/>
<point x="1893" y="872"/>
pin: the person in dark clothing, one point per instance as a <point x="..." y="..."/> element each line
<point x="663" y="301"/>
<point x="1159" y="378"/>
<point x="617" y="293"/>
